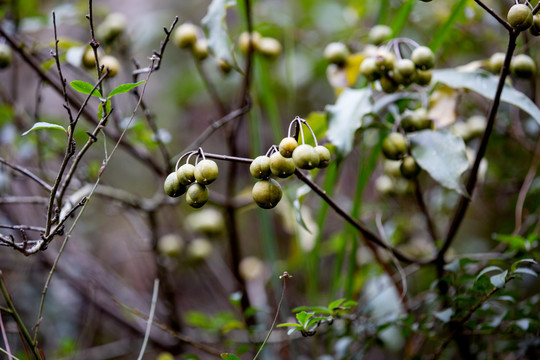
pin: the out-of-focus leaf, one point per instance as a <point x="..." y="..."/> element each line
<point x="499" y="280"/>
<point x="442" y="155"/>
<point x="444" y="315"/>
<point x="84" y="87"/>
<point x="442" y="106"/>
<point x="124" y="88"/>
<point x="297" y="205"/>
<point x="215" y="25"/>
<point x="228" y="356"/>
<point x="317" y="122"/>
<point x="336" y="303"/>
<point x="488" y="269"/>
<point x="303" y="317"/>
<point x="516" y="242"/>
<point x="525" y="271"/>
<point x="523" y="323"/>
<point x="515" y="265"/>
<point x="45" y="125"/>
<point x="485" y="85"/>
<point x="315" y="309"/>
<point x="345" y="117"/>
<point x="441" y="33"/>
<point x="352" y="67"/>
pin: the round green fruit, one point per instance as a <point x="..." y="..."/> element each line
<point x="186" y="174"/>
<point x="185" y="35"/>
<point x="394" y="146"/>
<point x="305" y="157"/>
<point x="287" y="146"/>
<point x="267" y="193"/>
<point x="5" y="56"/>
<point x="197" y="195"/>
<point x="170" y="245"/>
<point x="523" y="66"/>
<point x="404" y="72"/>
<point x="423" y="58"/>
<point x="388" y="84"/>
<point x="324" y="156"/>
<point x="369" y="69"/>
<point x="224" y="66"/>
<point x="409" y="167"/>
<point x="535" y="28"/>
<point x="244" y="41"/>
<point x="112" y="27"/>
<point x="200" y="49"/>
<point x="379" y="34"/>
<point x="415" y="120"/>
<point x="111" y="64"/>
<point x="520" y="16"/>
<point x="336" y="53"/>
<point x="269" y="47"/>
<point x="260" y="167"/>
<point x="281" y="166"/>
<point x="495" y="62"/>
<point x="206" y="171"/>
<point x="172" y="186"/>
<point x="384" y="60"/>
<point x="423" y="77"/>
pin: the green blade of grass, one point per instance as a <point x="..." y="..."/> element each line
<point x="442" y="33"/>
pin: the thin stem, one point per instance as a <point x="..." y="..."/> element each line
<point x="422" y="205"/>
<point x="27" y="173"/>
<point x="284" y="277"/>
<point x="497" y="17"/>
<point x="150" y="319"/>
<point x="529" y="178"/>
<point x="18" y="320"/>
<point x="471" y="182"/>
<point x="4" y="337"/>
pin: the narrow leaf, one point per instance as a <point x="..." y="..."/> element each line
<point x="442" y="33"/>
<point x="84" y="87"/>
<point x="442" y="155"/>
<point x="214" y="23"/>
<point x="499" y="280"/>
<point x="336" y="303"/>
<point x="124" y="88"/>
<point x="526" y="271"/>
<point x="227" y="356"/>
<point x="444" y="315"/>
<point x="303" y="317"/>
<point x="488" y="269"/>
<point x="485" y="85"/>
<point x="45" y="125"/>
<point x="345" y="117"/>
<point x="290" y="324"/>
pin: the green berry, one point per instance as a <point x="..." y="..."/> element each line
<point x="287" y="146"/>
<point x="523" y="66"/>
<point x="394" y="146"/>
<point x="186" y="174"/>
<point x="404" y="71"/>
<point x="535" y="28"/>
<point x="423" y="77"/>
<point x="197" y="195"/>
<point x="185" y="35"/>
<point x="409" y="167"/>
<point x="423" y="58"/>
<point x="111" y="64"/>
<point x="305" y="157"/>
<point x="267" y="193"/>
<point x="112" y="27"/>
<point x="172" y="186"/>
<point x="324" y="156"/>
<point x="245" y="38"/>
<point x="269" y="47"/>
<point x="369" y="69"/>
<point x="495" y="62"/>
<point x="206" y="171"/>
<point x="200" y="49"/>
<point x="5" y="56"/>
<point x="384" y="60"/>
<point x="281" y="166"/>
<point x="260" y="167"/>
<point x="336" y="53"/>
<point x="520" y="17"/>
<point x="379" y="34"/>
<point x="388" y="84"/>
<point x="416" y="120"/>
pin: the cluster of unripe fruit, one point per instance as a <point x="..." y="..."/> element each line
<point x="521" y="18"/>
<point x="394" y="147"/>
<point x="521" y="66"/>
<point x="392" y="71"/>
<point x="192" y="180"/>
<point x="282" y="162"/>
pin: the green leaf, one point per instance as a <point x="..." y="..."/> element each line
<point x="499" y="280"/>
<point x="485" y="85"/>
<point x="402" y="16"/>
<point x="84" y="87"/>
<point x="45" y="125"/>
<point x="442" y="155"/>
<point x="290" y="324"/>
<point x="303" y="317"/>
<point x="442" y="32"/>
<point x="314" y="309"/>
<point x="124" y="88"/>
<point x="444" y="315"/>
<point x="526" y="271"/>
<point x="335" y="304"/>
<point x="515" y="242"/>
<point x="227" y="356"/>
<point x="514" y="265"/>
<point x="488" y="269"/>
<point x="214" y="23"/>
<point x="301" y="193"/>
<point x="345" y="117"/>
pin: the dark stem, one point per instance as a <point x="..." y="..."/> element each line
<point x="422" y="205"/>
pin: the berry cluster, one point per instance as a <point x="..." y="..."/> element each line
<point x="521" y="18"/>
<point x="521" y="66"/>
<point x="395" y="147"/>
<point x="192" y="179"/>
<point x="388" y="66"/>
<point x="190" y="36"/>
<point x="282" y="161"/>
<point x="266" y="46"/>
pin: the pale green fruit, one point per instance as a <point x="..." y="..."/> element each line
<point x="197" y="195"/>
<point x="305" y="157"/>
<point x="206" y="171"/>
<point x="324" y="156"/>
<point x="281" y="166"/>
<point x="111" y="64"/>
<point x="287" y="146"/>
<point x="260" y="167"/>
<point x="423" y="58"/>
<point x="267" y="193"/>
<point x="394" y="146"/>
<point x="520" y="16"/>
<point x="186" y="174"/>
<point x="172" y="186"/>
<point x="185" y="35"/>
